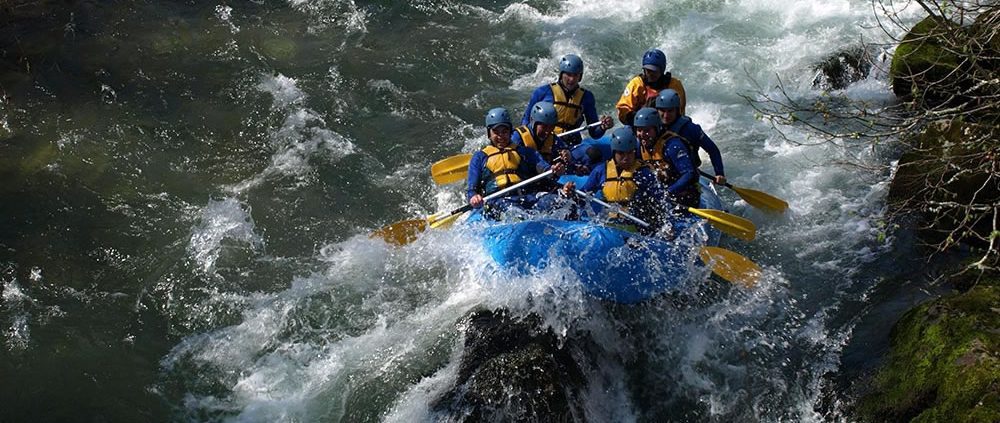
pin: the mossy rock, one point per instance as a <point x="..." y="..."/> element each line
<point x="944" y="364"/>
<point x="922" y="58"/>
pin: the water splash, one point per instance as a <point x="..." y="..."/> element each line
<point x="221" y="220"/>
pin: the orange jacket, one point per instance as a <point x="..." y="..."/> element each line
<point x="638" y="95"/>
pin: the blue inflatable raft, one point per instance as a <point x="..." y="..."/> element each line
<point x="611" y="263"/>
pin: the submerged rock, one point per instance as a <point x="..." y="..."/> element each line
<point x="513" y="371"/>
<point x="844" y="68"/>
<point x="279" y="48"/>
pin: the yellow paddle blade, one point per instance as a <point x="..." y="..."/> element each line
<point x="444" y="222"/>
<point x="401" y="233"/>
<point x="761" y="200"/>
<point x="733" y="225"/>
<point x="731" y="266"/>
<point x="451" y="169"/>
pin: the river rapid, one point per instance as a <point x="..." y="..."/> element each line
<point x="188" y="189"/>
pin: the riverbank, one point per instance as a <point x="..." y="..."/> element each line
<point x="944" y="363"/>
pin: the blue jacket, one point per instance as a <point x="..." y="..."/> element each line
<point x="680" y="160"/>
<point x="479" y="180"/>
<point x="544" y="93"/>
<point x="693" y="133"/>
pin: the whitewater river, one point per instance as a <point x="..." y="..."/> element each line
<point x="187" y="189"/>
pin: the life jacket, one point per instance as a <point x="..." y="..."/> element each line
<point x="569" y="110"/>
<point x="502" y="165"/>
<point x="620" y="187"/>
<point x="528" y="139"/>
<point x="668" y="173"/>
<point x="676" y="129"/>
<point x="653" y="89"/>
<point x="655" y="159"/>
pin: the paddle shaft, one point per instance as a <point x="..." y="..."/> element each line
<point x="614" y="207"/>
<point x="468" y="207"/>
<point x="580" y="129"/>
<point x="758" y="199"/>
<point x="707" y="175"/>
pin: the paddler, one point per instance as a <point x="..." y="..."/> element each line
<point x="641" y="91"/>
<point x="501" y="164"/>
<point x="628" y="182"/>
<point x="669" y="155"/>
<point x="573" y="103"/>
<point x="673" y="120"/>
<point x="539" y="135"/>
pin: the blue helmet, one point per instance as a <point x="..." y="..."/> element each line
<point x="622" y="139"/>
<point x="668" y="99"/>
<point x="654" y="60"/>
<point x="646" y="116"/>
<point x="544" y="112"/>
<point x="571" y="63"/>
<point x="498" y="116"/>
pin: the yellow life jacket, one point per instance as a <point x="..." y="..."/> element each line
<point x="529" y="141"/>
<point x="569" y="110"/>
<point x="620" y="187"/>
<point x="655" y="159"/>
<point x="502" y="164"/>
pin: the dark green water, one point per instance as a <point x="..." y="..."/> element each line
<point x="187" y="188"/>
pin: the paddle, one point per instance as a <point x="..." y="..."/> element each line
<point x="758" y="199"/>
<point x="402" y="233"/>
<point x="726" y="264"/>
<point x="451" y="169"/>
<point x="731" y="266"/>
<point x="736" y="226"/>
<point x="455" y="168"/>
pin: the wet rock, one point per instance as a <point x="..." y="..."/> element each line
<point x="940" y="168"/>
<point x="940" y="62"/>
<point x="923" y="60"/>
<point x="844" y="68"/>
<point x="945" y="362"/>
<point x="512" y="371"/>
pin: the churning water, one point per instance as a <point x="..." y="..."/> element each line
<point x="188" y="189"/>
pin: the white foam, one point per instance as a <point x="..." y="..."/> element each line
<point x="221" y="220"/>
<point x="17" y="333"/>
<point x="225" y="14"/>
<point x="302" y="137"/>
<point x="284" y="90"/>
<point x="343" y="14"/>
<point x="623" y="12"/>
